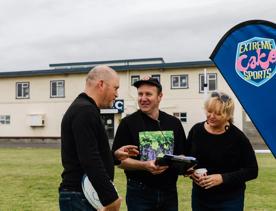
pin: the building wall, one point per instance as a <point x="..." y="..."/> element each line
<point x="188" y="100"/>
<point x="39" y="103"/>
<point x="174" y="100"/>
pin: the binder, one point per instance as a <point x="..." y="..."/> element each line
<point x="181" y="162"/>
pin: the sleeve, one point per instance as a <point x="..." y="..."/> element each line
<point x="122" y="137"/>
<point x="84" y="127"/>
<point x="248" y="167"/>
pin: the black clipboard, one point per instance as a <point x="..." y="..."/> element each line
<point x="182" y="163"/>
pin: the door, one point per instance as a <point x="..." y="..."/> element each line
<point x="108" y="120"/>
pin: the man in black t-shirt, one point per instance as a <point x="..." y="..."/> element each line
<point x="149" y="186"/>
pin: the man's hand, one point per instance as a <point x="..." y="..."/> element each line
<point x="114" y="206"/>
<point x="126" y="152"/>
<point x="189" y="172"/>
<point x="154" y="169"/>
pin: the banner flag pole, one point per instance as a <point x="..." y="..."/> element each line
<point x="205" y="85"/>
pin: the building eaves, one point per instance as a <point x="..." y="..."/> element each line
<point x="80" y="70"/>
<point x="30" y="73"/>
<point x="109" y="62"/>
<point x="174" y="65"/>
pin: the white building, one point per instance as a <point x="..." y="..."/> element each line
<point x="32" y="103"/>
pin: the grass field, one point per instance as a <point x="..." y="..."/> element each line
<point x="29" y="178"/>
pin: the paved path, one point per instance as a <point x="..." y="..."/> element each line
<point x="57" y="145"/>
<point x="29" y="145"/>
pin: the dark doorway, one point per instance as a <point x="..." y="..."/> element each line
<point x="108" y="120"/>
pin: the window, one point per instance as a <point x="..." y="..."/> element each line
<point x="134" y="78"/>
<point x="5" y="119"/>
<point x="211" y="82"/>
<point x="179" y="81"/>
<point x="182" y="116"/>
<point x="156" y="77"/>
<point x="57" y="88"/>
<point x="22" y="90"/>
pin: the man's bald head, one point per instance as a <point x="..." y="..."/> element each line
<point x="102" y="84"/>
<point x="100" y="72"/>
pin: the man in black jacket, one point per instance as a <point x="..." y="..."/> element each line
<point x="149" y="186"/>
<point x="84" y="144"/>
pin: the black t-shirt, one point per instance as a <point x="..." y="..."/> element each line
<point x="154" y="138"/>
<point x="85" y="150"/>
<point x="229" y="154"/>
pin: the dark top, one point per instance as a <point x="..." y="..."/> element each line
<point x="156" y="137"/>
<point x="85" y="150"/>
<point x="229" y="154"/>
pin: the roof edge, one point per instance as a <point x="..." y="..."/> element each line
<point x="79" y="70"/>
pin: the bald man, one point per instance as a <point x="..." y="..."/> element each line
<point x="84" y="144"/>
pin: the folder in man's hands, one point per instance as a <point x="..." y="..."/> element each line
<point x="181" y="162"/>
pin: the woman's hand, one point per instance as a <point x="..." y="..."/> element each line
<point x="208" y="181"/>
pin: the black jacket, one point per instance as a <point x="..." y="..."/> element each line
<point x="85" y="150"/>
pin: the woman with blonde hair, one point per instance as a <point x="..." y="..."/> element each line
<point x="225" y="152"/>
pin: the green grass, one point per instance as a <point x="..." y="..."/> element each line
<point x="29" y="179"/>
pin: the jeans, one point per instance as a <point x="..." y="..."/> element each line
<point x="73" y="201"/>
<point x="140" y="197"/>
<point x="234" y="202"/>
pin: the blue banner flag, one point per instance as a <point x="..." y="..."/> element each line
<point x="246" y="58"/>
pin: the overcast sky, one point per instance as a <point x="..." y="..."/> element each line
<point x="36" y="33"/>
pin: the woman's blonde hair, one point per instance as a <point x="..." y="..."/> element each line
<point x="222" y="104"/>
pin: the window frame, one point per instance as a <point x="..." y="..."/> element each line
<point x="51" y="90"/>
<point x="16" y="91"/>
<point x="4" y="121"/>
<point x="179" y="77"/>
<point x="134" y="78"/>
<point x="156" y="76"/>
<point x="201" y="77"/>
<point x="182" y="116"/>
